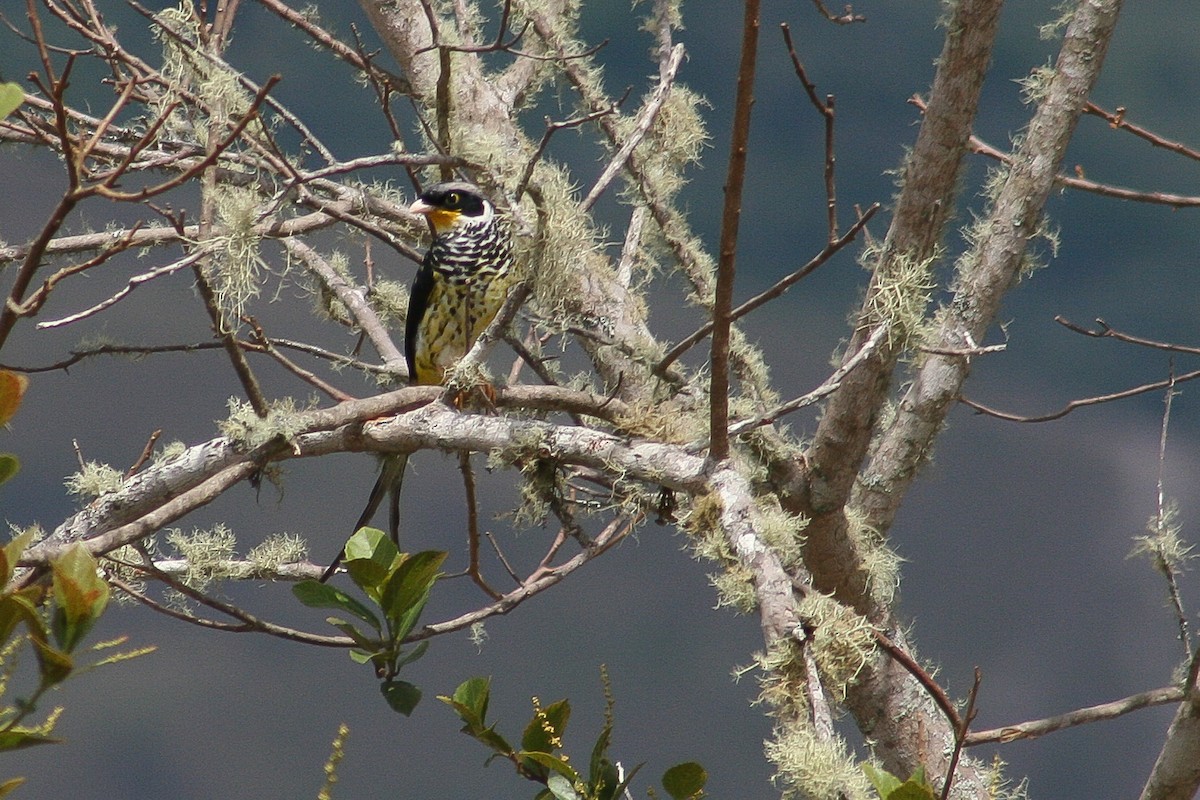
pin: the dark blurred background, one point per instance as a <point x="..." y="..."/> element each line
<point x="1015" y="538"/>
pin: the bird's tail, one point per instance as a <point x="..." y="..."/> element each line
<point x="388" y="484"/>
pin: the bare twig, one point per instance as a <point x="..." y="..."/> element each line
<point x="473" y="570"/>
<point x="354" y="301"/>
<point x="1082" y="403"/>
<point x="1082" y="716"/>
<point x="960" y="734"/>
<point x="1116" y="119"/>
<point x="779" y="288"/>
<point x="731" y="214"/>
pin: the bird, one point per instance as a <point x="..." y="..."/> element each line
<point x="462" y="283"/>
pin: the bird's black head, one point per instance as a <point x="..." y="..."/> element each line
<point x="448" y="205"/>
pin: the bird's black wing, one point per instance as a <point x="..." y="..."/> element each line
<point x="418" y="304"/>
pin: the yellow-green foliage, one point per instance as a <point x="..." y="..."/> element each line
<point x="1001" y="787"/>
<point x="325" y="302"/>
<point x="389" y="299"/>
<point x="753" y="373"/>
<point x="661" y="422"/>
<point x="568" y="247"/>
<point x="94" y="480"/>
<point x="1054" y="28"/>
<point x="168" y="451"/>
<point x="207" y="552"/>
<point x="842" y="642"/>
<point x="123" y="564"/>
<point x="246" y="429"/>
<point x="675" y="139"/>
<point x="808" y="767"/>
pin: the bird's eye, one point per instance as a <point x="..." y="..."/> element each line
<point x="453" y="199"/>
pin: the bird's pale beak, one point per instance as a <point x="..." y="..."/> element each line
<point x="441" y="219"/>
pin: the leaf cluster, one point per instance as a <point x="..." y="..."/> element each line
<point x="397" y="585"/>
<point x="53" y="617"/>
<point x="542" y="759"/>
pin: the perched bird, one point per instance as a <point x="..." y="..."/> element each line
<point x="463" y="281"/>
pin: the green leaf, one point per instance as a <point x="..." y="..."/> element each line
<point x="884" y="782"/>
<point x="553" y="764"/>
<point x="562" y="788"/>
<point x="402" y="696"/>
<point x="599" y="762"/>
<point x="9" y="466"/>
<point x="407" y="590"/>
<point x="360" y="638"/>
<point x="12" y="552"/>
<point x="20" y="739"/>
<point x="11" y="98"/>
<point x="315" y="594"/>
<point x="80" y="595"/>
<point x="54" y="664"/>
<point x="490" y="738"/>
<point x="890" y="787"/>
<point x="544" y="732"/>
<point x="605" y="780"/>
<point x="684" y="781"/>
<point x="470" y="700"/>
<point x="413" y="654"/>
<point x="370" y="559"/>
<point x="18" y="608"/>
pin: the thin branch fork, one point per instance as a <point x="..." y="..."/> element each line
<point x="981" y="147"/>
<point x="1081" y="403"/>
<point x="779" y="288"/>
<point x="826" y="109"/>
<point x="1116" y="119"/>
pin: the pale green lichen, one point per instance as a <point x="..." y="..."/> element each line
<point x="244" y="428"/>
<point x="1163" y="543"/>
<point x="168" y="451"/>
<point x="783" y="532"/>
<point x="901" y="293"/>
<point x="1054" y="28"/>
<point x="812" y="767"/>
<point x="236" y="267"/>
<point x="207" y="553"/>
<point x="1000" y="787"/>
<point x="276" y="550"/>
<point x="841" y="641"/>
<point x="1036" y="84"/>
<point x="880" y="563"/>
<point x="93" y="480"/>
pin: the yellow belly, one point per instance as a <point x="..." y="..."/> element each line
<point x="454" y="318"/>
